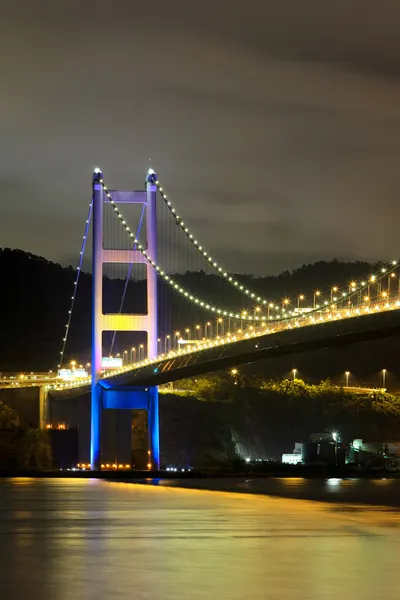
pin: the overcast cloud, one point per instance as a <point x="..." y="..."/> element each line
<point x="278" y="121"/>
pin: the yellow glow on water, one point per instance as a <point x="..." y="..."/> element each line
<point x="216" y="543"/>
<point x="291" y="481"/>
<point x="23" y="480"/>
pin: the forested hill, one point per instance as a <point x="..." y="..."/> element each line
<point x="36" y="293"/>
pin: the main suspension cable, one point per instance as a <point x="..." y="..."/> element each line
<point x="220" y="270"/>
<point x="243" y="315"/>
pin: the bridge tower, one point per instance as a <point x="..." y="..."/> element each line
<point x="104" y="394"/>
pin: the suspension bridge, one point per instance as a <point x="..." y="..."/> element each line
<point x="360" y="311"/>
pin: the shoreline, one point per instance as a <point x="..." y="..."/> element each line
<point x="333" y="487"/>
<point x="308" y="473"/>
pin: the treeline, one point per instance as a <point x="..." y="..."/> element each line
<point x="291" y="410"/>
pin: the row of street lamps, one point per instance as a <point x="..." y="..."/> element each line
<point x="383" y="373"/>
<point x="347" y="375"/>
<point x="223" y="326"/>
<point x="335" y="292"/>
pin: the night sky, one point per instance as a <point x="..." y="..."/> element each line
<point x="276" y="123"/>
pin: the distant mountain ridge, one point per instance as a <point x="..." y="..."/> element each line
<point x="36" y="293"/>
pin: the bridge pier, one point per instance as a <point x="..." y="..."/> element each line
<point x="153" y="428"/>
<point x="110" y="397"/>
<point x="95" y="427"/>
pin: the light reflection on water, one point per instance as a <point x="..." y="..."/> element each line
<point x="84" y="539"/>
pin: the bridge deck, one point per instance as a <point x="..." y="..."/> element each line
<point x="261" y="347"/>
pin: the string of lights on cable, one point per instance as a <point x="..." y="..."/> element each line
<point x="342" y="303"/>
<point x="282" y="313"/>
<point x="171" y="282"/>
<point x="213" y="263"/>
<point x="75" y="288"/>
<point x="218" y="268"/>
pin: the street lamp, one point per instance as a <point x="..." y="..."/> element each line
<point x="384" y="378"/>
<point x="270" y="305"/>
<point x="234" y="372"/>
<point x="257" y="309"/>
<point x="294" y="371"/>
<point x="352" y="289"/>
<point x="347" y="373"/>
<point x="177" y="336"/>
<point x="219" y="322"/>
<point x="372" y="279"/>
<point x="166" y="343"/>
<point x="133" y="354"/>
<point x="392" y="276"/>
<point x="317" y="293"/>
<point x="333" y="291"/>
<point x="301" y="297"/>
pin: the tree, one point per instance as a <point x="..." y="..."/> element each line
<point x="9" y="419"/>
<point x="21" y="447"/>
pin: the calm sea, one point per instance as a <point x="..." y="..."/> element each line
<point x="91" y="539"/>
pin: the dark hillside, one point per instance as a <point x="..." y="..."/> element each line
<point x="36" y="294"/>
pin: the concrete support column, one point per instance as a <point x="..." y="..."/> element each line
<point x="43" y="407"/>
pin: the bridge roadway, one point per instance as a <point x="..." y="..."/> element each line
<point x="330" y="334"/>
<point x="27" y="382"/>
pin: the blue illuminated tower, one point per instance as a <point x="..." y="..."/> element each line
<point x="104" y="395"/>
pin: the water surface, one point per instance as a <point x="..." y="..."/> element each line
<point x="91" y="539"/>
